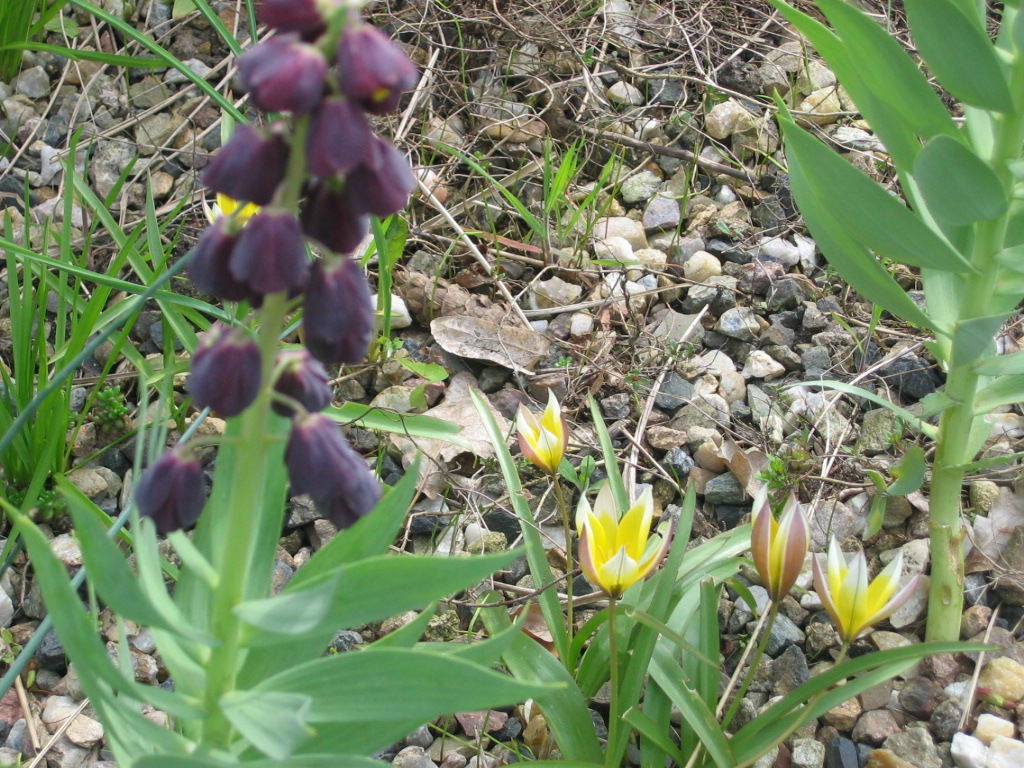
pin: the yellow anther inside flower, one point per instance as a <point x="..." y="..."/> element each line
<point x="613" y="550"/>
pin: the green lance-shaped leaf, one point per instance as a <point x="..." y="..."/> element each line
<point x="865" y="212"/>
<point x="958" y="51"/>
<point x="997" y="366"/>
<point x="973" y="339"/>
<point x="250" y="711"/>
<point x="959" y="187"/>
<point x="1004" y="390"/>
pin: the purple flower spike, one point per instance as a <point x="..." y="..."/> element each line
<point x="373" y="70"/>
<point x="249" y="167"/>
<point x="330" y="218"/>
<point x="170" y="491"/>
<point x="337" y="322"/>
<point x="225" y="371"/>
<point x="302" y="16"/>
<point x="339" y="138"/>
<point x="321" y="463"/>
<point x="270" y="256"/>
<point x="303" y="379"/>
<point x="384" y="180"/>
<point x="283" y="74"/>
<point x="209" y="268"/>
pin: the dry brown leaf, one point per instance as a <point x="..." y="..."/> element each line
<point x="508" y="345"/>
<point x="457" y="408"/>
<point x="992" y="533"/>
<point x="746" y="466"/>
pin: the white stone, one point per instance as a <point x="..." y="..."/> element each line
<point x="991" y="726"/>
<point x="821" y="107"/>
<point x="6" y="609"/>
<point x="808" y="753"/>
<point x="624" y="93"/>
<point x="808" y="252"/>
<point x="1005" y="753"/>
<point x="761" y="365"/>
<point x="617" y="248"/>
<point x="66" y="548"/>
<point x="716" y="361"/>
<point x="733" y="387"/>
<point x="624" y="227"/>
<point x="581" y="324"/>
<point x="555" y="292"/>
<point x="83" y="730"/>
<point x="915" y="605"/>
<point x="727" y="117"/>
<point x="639" y="187"/>
<point x="400" y="317"/>
<point x="780" y="250"/>
<point x="701" y="266"/>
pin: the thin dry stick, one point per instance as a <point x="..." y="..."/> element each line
<point x="59" y="732"/>
<point x="26" y="710"/>
<point x="480" y="259"/>
<point x="969" y="693"/>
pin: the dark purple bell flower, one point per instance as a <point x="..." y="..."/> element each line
<point x="171" y="491"/>
<point x="381" y="184"/>
<point x="303" y="379"/>
<point x="249" y="167"/>
<point x="372" y="69"/>
<point x="302" y="16"/>
<point x="330" y="218"/>
<point x="339" y="138"/>
<point x="270" y="255"/>
<point x="283" y="74"/>
<point x="321" y="463"/>
<point x="226" y="370"/>
<point x="338" y="318"/>
<point x="209" y="266"/>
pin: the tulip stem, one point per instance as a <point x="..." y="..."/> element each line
<point x="570" y="568"/>
<point x="614" y="719"/>
<point x="767" y="621"/>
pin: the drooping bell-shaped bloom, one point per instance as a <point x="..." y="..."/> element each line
<point x="853" y="603"/>
<point x="384" y="180"/>
<point x="613" y="551"/>
<point x="270" y="255"/>
<point x="778" y="549"/>
<point x="330" y="217"/>
<point x="303" y="16"/>
<point x="543" y="441"/>
<point x="303" y="379"/>
<point x="249" y="167"/>
<point x="322" y="464"/>
<point x="209" y="268"/>
<point x="338" y="317"/>
<point x="170" y="491"/>
<point x="226" y="370"/>
<point x="283" y="74"/>
<point x="372" y="69"/>
<point x="339" y="138"/>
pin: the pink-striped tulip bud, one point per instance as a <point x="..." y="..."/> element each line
<point x="543" y="442"/>
<point x="853" y="604"/>
<point x="779" y="548"/>
<point x="615" y="553"/>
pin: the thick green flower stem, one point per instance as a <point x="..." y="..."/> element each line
<point x="615" y="721"/>
<point x="570" y="568"/>
<point x="233" y="560"/>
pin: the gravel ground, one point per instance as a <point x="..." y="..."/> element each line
<point x="679" y="289"/>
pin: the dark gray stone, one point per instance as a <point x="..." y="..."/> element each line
<point x="346" y="640"/>
<point x="674" y="393"/>
<point x="501" y="520"/>
<point x="50" y="654"/>
<point x="784" y="633"/>
<point x="841" y="753"/>
<point x="789" y="671"/>
<point x="678" y="461"/>
<point x="725" y="489"/>
<point x="919" y="697"/>
<point x="617" y="406"/>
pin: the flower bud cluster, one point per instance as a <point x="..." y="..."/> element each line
<point x="315" y="172"/>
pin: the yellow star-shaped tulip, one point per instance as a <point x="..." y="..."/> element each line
<point x="543" y="442"/>
<point x="613" y="551"/>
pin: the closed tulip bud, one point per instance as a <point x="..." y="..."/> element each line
<point x="613" y="552"/>
<point x="778" y="549"/>
<point x="209" y="268"/>
<point x="372" y="69"/>
<point x="303" y="379"/>
<point x="283" y="74"/>
<point x="330" y="218"/>
<point x="339" y="138"/>
<point x="171" y="491"/>
<point x="853" y="604"/>
<point x="226" y="370"/>
<point x="543" y="442"/>
<point x="338" y="315"/>
<point x="384" y="180"/>
<point x="322" y="464"/>
<point x="249" y="167"/>
<point x="270" y="255"/>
